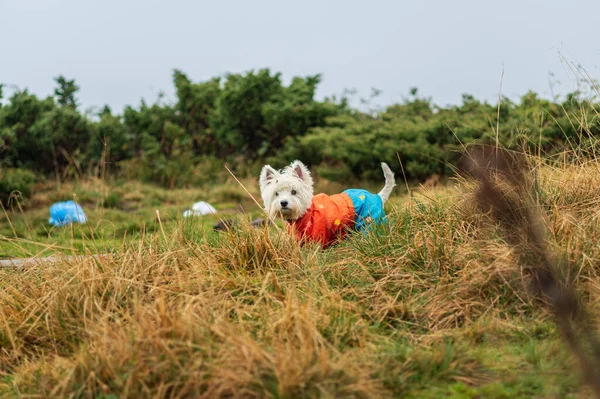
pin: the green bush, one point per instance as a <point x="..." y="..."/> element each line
<point x="245" y="120"/>
<point x="15" y="180"/>
<point x="427" y="139"/>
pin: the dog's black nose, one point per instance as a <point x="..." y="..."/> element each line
<point x="284" y="204"/>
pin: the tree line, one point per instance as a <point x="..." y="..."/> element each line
<point x="245" y="120"/>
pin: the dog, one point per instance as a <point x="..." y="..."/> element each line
<point x="320" y="218"/>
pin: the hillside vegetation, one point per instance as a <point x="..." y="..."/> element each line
<point x="246" y="120"/>
<point x="434" y="304"/>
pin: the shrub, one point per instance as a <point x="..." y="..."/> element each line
<point x="15" y="180"/>
<point x="253" y="118"/>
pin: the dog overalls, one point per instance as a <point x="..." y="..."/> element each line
<point x="330" y="216"/>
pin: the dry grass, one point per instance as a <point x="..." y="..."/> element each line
<point x="433" y="305"/>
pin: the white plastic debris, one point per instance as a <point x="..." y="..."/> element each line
<point x="199" y="209"/>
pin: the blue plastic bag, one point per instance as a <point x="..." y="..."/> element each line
<point x="63" y="213"/>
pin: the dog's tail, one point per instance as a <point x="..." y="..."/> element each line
<point x="390" y="183"/>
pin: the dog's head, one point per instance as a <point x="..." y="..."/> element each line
<point x="287" y="193"/>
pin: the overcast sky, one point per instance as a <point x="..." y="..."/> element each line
<point x="122" y="51"/>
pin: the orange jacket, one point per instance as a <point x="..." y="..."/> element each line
<point x="326" y="221"/>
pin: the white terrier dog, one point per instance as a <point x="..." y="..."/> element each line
<point x="320" y="217"/>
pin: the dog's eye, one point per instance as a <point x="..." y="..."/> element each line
<point x="293" y="192"/>
<point x="276" y="194"/>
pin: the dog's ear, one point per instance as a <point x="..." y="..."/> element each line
<point x="267" y="175"/>
<point x="302" y="172"/>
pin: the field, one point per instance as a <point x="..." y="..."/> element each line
<point x="434" y="305"/>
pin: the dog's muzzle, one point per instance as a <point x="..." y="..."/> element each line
<point x="285" y="210"/>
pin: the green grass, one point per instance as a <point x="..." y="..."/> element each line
<point x="116" y="215"/>
<point x="119" y="212"/>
